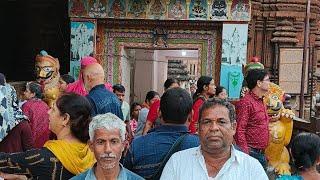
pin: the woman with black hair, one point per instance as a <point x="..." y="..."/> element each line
<point x="305" y="154"/>
<point x="134" y="113"/>
<point x="221" y="92"/>
<point x="64" y="81"/>
<point x="36" y="110"/>
<point x="65" y="157"/>
<point x="205" y="90"/>
<point x="151" y="97"/>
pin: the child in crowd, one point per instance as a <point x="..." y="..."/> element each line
<point x="134" y="112"/>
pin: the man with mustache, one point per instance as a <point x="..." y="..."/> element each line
<point x="107" y="135"/>
<point x="216" y="157"/>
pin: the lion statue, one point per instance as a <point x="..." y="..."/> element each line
<point x="47" y="74"/>
<point x="280" y="130"/>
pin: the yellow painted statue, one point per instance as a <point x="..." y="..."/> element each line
<point x="47" y="72"/>
<point x="280" y="128"/>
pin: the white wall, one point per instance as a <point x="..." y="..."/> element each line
<point x="125" y="73"/>
<point x="162" y="61"/>
<point x="151" y="68"/>
<point x="161" y="69"/>
<point x="143" y="80"/>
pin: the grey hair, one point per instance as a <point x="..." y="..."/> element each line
<point x="218" y="102"/>
<point x="107" y="121"/>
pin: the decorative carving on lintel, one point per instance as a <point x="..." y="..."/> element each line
<point x="172" y="24"/>
<point x="290" y="8"/>
<point x="285" y="33"/>
<point x="159" y="37"/>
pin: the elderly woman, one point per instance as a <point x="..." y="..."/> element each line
<point x="36" y="110"/>
<point x="65" y="157"/>
<point x="15" y="131"/>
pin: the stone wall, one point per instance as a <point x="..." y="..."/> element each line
<point x="280" y="23"/>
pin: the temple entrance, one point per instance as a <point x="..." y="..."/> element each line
<point x="147" y="69"/>
<point x="138" y="56"/>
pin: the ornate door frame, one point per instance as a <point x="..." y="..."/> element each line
<point x="205" y="37"/>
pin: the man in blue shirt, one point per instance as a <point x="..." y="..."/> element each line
<point x="147" y="152"/>
<point x="101" y="99"/>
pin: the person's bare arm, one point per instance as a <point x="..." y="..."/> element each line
<point x="147" y="127"/>
<point x="12" y="176"/>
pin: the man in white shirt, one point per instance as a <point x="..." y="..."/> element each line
<point x="215" y="158"/>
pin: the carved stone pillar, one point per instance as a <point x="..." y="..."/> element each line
<point x="255" y="29"/>
<point x="281" y="23"/>
<point x="316" y="66"/>
<point x="100" y="45"/>
<point x="317" y="40"/>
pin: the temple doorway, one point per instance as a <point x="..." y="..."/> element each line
<point x="143" y="70"/>
<point x="138" y="55"/>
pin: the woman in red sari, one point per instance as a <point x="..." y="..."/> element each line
<point x="205" y="90"/>
<point x="36" y="110"/>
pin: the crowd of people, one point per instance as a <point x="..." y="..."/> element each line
<point x="91" y="132"/>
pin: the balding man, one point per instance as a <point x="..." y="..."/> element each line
<point x="102" y="100"/>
